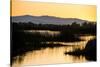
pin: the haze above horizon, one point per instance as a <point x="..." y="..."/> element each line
<point x="85" y="12"/>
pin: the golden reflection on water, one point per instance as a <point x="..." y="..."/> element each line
<point x="53" y="55"/>
<point x="48" y="56"/>
<point x="44" y="32"/>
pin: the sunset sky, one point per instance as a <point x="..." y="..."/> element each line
<point x="85" y="12"/>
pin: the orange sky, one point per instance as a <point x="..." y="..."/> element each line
<point x="86" y="12"/>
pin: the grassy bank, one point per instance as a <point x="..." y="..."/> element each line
<point x="89" y="52"/>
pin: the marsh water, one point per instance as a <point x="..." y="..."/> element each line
<point x="53" y="55"/>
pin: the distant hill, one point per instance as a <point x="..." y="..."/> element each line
<point x="45" y="19"/>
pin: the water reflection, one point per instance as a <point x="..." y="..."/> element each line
<point x="53" y="55"/>
<point x="43" y="32"/>
<point x="49" y="56"/>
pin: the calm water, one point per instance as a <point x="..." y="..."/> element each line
<point x="53" y="55"/>
<point x="43" y="32"/>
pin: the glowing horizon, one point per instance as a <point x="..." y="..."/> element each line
<point x="85" y="12"/>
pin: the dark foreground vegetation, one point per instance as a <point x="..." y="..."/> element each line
<point x="21" y="42"/>
<point x="89" y="52"/>
<point x="74" y="28"/>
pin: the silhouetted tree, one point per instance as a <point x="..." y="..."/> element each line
<point x="75" y="24"/>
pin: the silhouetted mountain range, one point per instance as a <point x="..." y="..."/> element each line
<point x="45" y="19"/>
